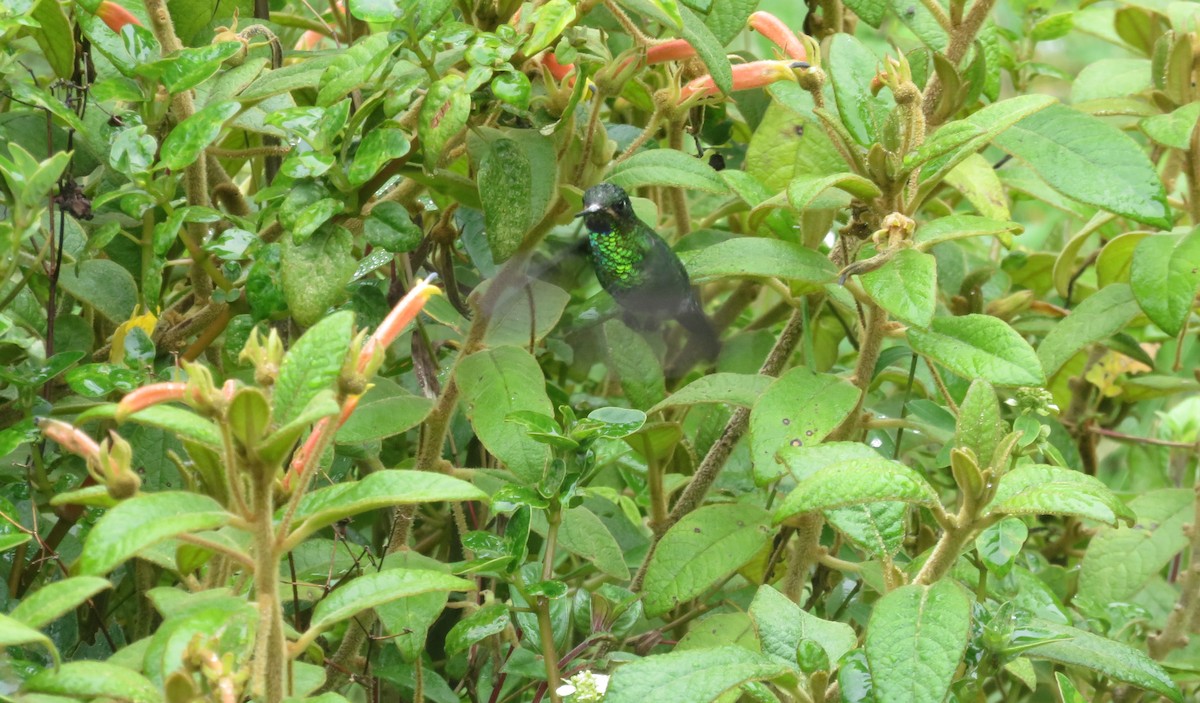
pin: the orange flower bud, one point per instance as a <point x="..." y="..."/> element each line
<point x="391" y="327"/>
<point x="115" y="16"/>
<point x="71" y="438"/>
<point x="673" y="50"/>
<point x="779" y="33"/>
<point x="755" y="74"/>
<point x="153" y="394"/>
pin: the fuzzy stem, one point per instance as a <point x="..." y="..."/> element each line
<point x="1186" y="611"/>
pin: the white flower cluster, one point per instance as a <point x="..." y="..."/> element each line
<point x="584" y="687"/>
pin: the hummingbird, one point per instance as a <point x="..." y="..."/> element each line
<point x="640" y="271"/>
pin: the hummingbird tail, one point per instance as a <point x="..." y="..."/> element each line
<point x="703" y="336"/>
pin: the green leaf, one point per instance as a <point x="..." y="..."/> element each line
<point x="586" y="535"/>
<point x="635" y="364"/>
<point x="1091" y="161"/>
<point x="510" y="323"/>
<point x="297" y="76"/>
<point x="906" y="286"/>
<point x="852" y="66"/>
<point x="993" y="120"/>
<point x="311" y="218"/>
<point x="54" y="600"/>
<point x="727" y="18"/>
<point x="797" y="410"/>
<point x="979" y="346"/>
<point x="93" y="679"/>
<point x="491" y="619"/>
<point x="666" y="167"/>
<point x="1110" y="78"/>
<point x="782" y="625"/>
<point x="188" y="140"/>
<point x="710" y="49"/>
<point x="517" y="173"/>
<point x="999" y="545"/>
<point x="876" y="528"/>
<point x="854" y="482"/>
<point x="353" y="68"/>
<point x="411" y="617"/>
<point x="189" y="67"/>
<point x="443" y="114"/>
<point x="494" y="384"/>
<point x="389" y="487"/>
<point x="384" y="411"/>
<point x="757" y="257"/>
<point x="181" y="421"/>
<point x="977" y="181"/>
<point x="391" y="227"/>
<point x="690" y="676"/>
<point x="1120" y="561"/>
<point x="549" y="21"/>
<point x="14" y="633"/>
<point x="921" y="21"/>
<point x="315" y="272"/>
<point x="1164" y="276"/>
<point x="102" y="284"/>
<point x="1102" y="314"/>
<point x="1041" y="489"/>
<point x="1173" y="129"/>
<point x="945" y="229"/>
<point x="704" y="547"/>
<point x="11" y="541"/>
<point x="311" y="365"/>
<point x="143" y="521"/>
<point x="915" y="641"/>
<point x="370" y="590"/>
<point x="1112" y="659"/>
<point x="741" y="389"/>
<point x="804" y="190"/>
<point x="980" y="427"/>
<point x="54" y="37"/>
<point x="870" y="11"/>
<point x="378" y="147"/>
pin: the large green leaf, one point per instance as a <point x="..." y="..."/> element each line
<point x="516" y="175"/>
<point x="327" y="505"/>
<point x="855" y="482"/>
<point x="852" y="66"/>
<point x="381" y="587"/>
<point x="740" y="389"/>
<point x="90" y="680"/>
<point x="906" y="286"/>
<point x="1121" y="560"/>
<point x="757" y="257"/>
<point x="311" y="365"/>
<point x="915" y="641"/>
<point x="54" y="600"/>
<point x="797" y="410"/>
<point x="1165" y="275"/>
<point x="666" y="167"/>
<point x="187" y="140"/>
<point x="143" y="521"/>
<point x="1091" y="161"/>
<point x="690" y="676"/>
<point x="1103" y="314"/>
<point x="979" y="346"/>
<point x="1113" y="659"/>
<point x="104" y="285"/>
<point x="782" y="625"/>
<point x="701" y="549"/>
<point x="496" y="383"/>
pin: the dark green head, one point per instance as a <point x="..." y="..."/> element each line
<point x="606" y="207"/>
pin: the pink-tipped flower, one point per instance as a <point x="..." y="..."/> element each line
<point x="147" y="396"/>
<point x="397" y="320"/>
<point x="71" y="438"/>
<point x="779" y="33"/>
<point x="755" y="74"/>
<point x="115" y="16"/>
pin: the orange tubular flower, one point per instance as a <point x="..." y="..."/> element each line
<point x="755" y="74"/>
<point x="774" y="29"/>
<point x="153" y="394"/>
<point x="391" y="327"/>
<point x="556" y="69"/>
<point x="115" y="16"/>
<point x="71" y="438"/>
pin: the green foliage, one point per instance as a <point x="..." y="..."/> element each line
<point x="947" y="452"/>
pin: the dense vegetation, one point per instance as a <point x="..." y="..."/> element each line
<point x="948" y="450"/>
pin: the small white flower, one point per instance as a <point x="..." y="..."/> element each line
<point x="585" y="687"/>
